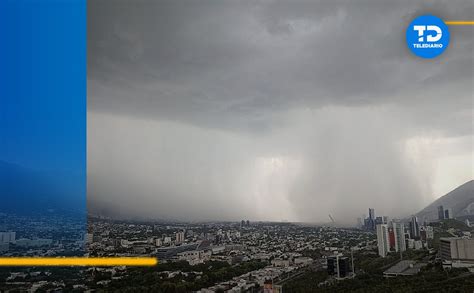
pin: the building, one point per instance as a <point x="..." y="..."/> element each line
<point x="448" y="213"/>
<point x="369" y="223"/>
<point x="179" y="237"/>
<point x="418" y="244"/>
<point x="457" y="249"/>
<point x="344" y="267"/>
<point x="158" y="242"/>
<point x="7" y="237"/>
<point x="426" y="232"/>
<point x="414" y="228"/>
<point x="278" y="262"/>
<point x="399" y="231"/>
<point x="338" y="265"/>
<point x="38" y="242"/>
<point x="390" y="237"/>
<point x="269" y="287"/>
<point x="371" y="213"/>
<point x="383" y="239"/>
<point x="440" y="213"/>
<point x="381" y="220"/>
<point x="404" y="268"/>
<point x="166" y="253"/>
<point x="194" y="257"/>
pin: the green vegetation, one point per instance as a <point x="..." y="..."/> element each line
<point x="307" y="282"/>
<point x="432" y="279"/>
<point x="369" y="270"/>
<point x="155" y="280"/>
<point x="453" y="224"/>
<point x="373" y="264"/>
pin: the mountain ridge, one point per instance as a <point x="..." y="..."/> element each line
<point x="460" y="200"/>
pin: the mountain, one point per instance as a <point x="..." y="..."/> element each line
<point x="25" y="191"/>
<point x="460" y="200"/>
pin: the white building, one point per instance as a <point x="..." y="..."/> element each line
<point x="194" y="257"/>
<point x="399" y="231"/>
<point x="455" y="248"/>
<point x="383" y="239"/>
<point x="390" y="237"/>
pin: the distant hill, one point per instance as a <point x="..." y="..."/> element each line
<point x="460" y="200"/>
<point x="25" y="191"/>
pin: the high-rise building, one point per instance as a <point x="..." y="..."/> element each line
<point x="344" y="267"/>
<point x="399" y="231"/>
<point x="369" y="222"/>
<point x="414" y="228"/>
<point x="371" y="214"/>
<point x="180" y="237"/>
<point x="448" y="213"/>
<point x="379" y="220"/>
<point x="440" y="213"/>
<point x="391" y="239"/>
<point x="338" y="265"/>
<point x="331" y="264"/>
<point x="383" y="239"/>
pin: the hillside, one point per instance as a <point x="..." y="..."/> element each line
<point x="460" y="200"/>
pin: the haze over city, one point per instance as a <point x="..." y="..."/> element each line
<point x="269" y="110"/>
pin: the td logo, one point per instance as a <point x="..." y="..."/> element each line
<point x="427" y="36"/>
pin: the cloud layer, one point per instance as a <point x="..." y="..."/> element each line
<point x="273" y="109"/>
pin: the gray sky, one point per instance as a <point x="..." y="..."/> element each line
<point x="274" y="110"/>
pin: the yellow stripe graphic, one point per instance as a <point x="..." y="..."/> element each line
<point x="459" y="22"/>
<point x="78" y="261"/>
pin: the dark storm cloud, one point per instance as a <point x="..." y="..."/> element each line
<point x="197" y="60"/>
<point x="262" y="71"/>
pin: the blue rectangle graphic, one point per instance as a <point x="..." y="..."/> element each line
<point x="43" y="119"/>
